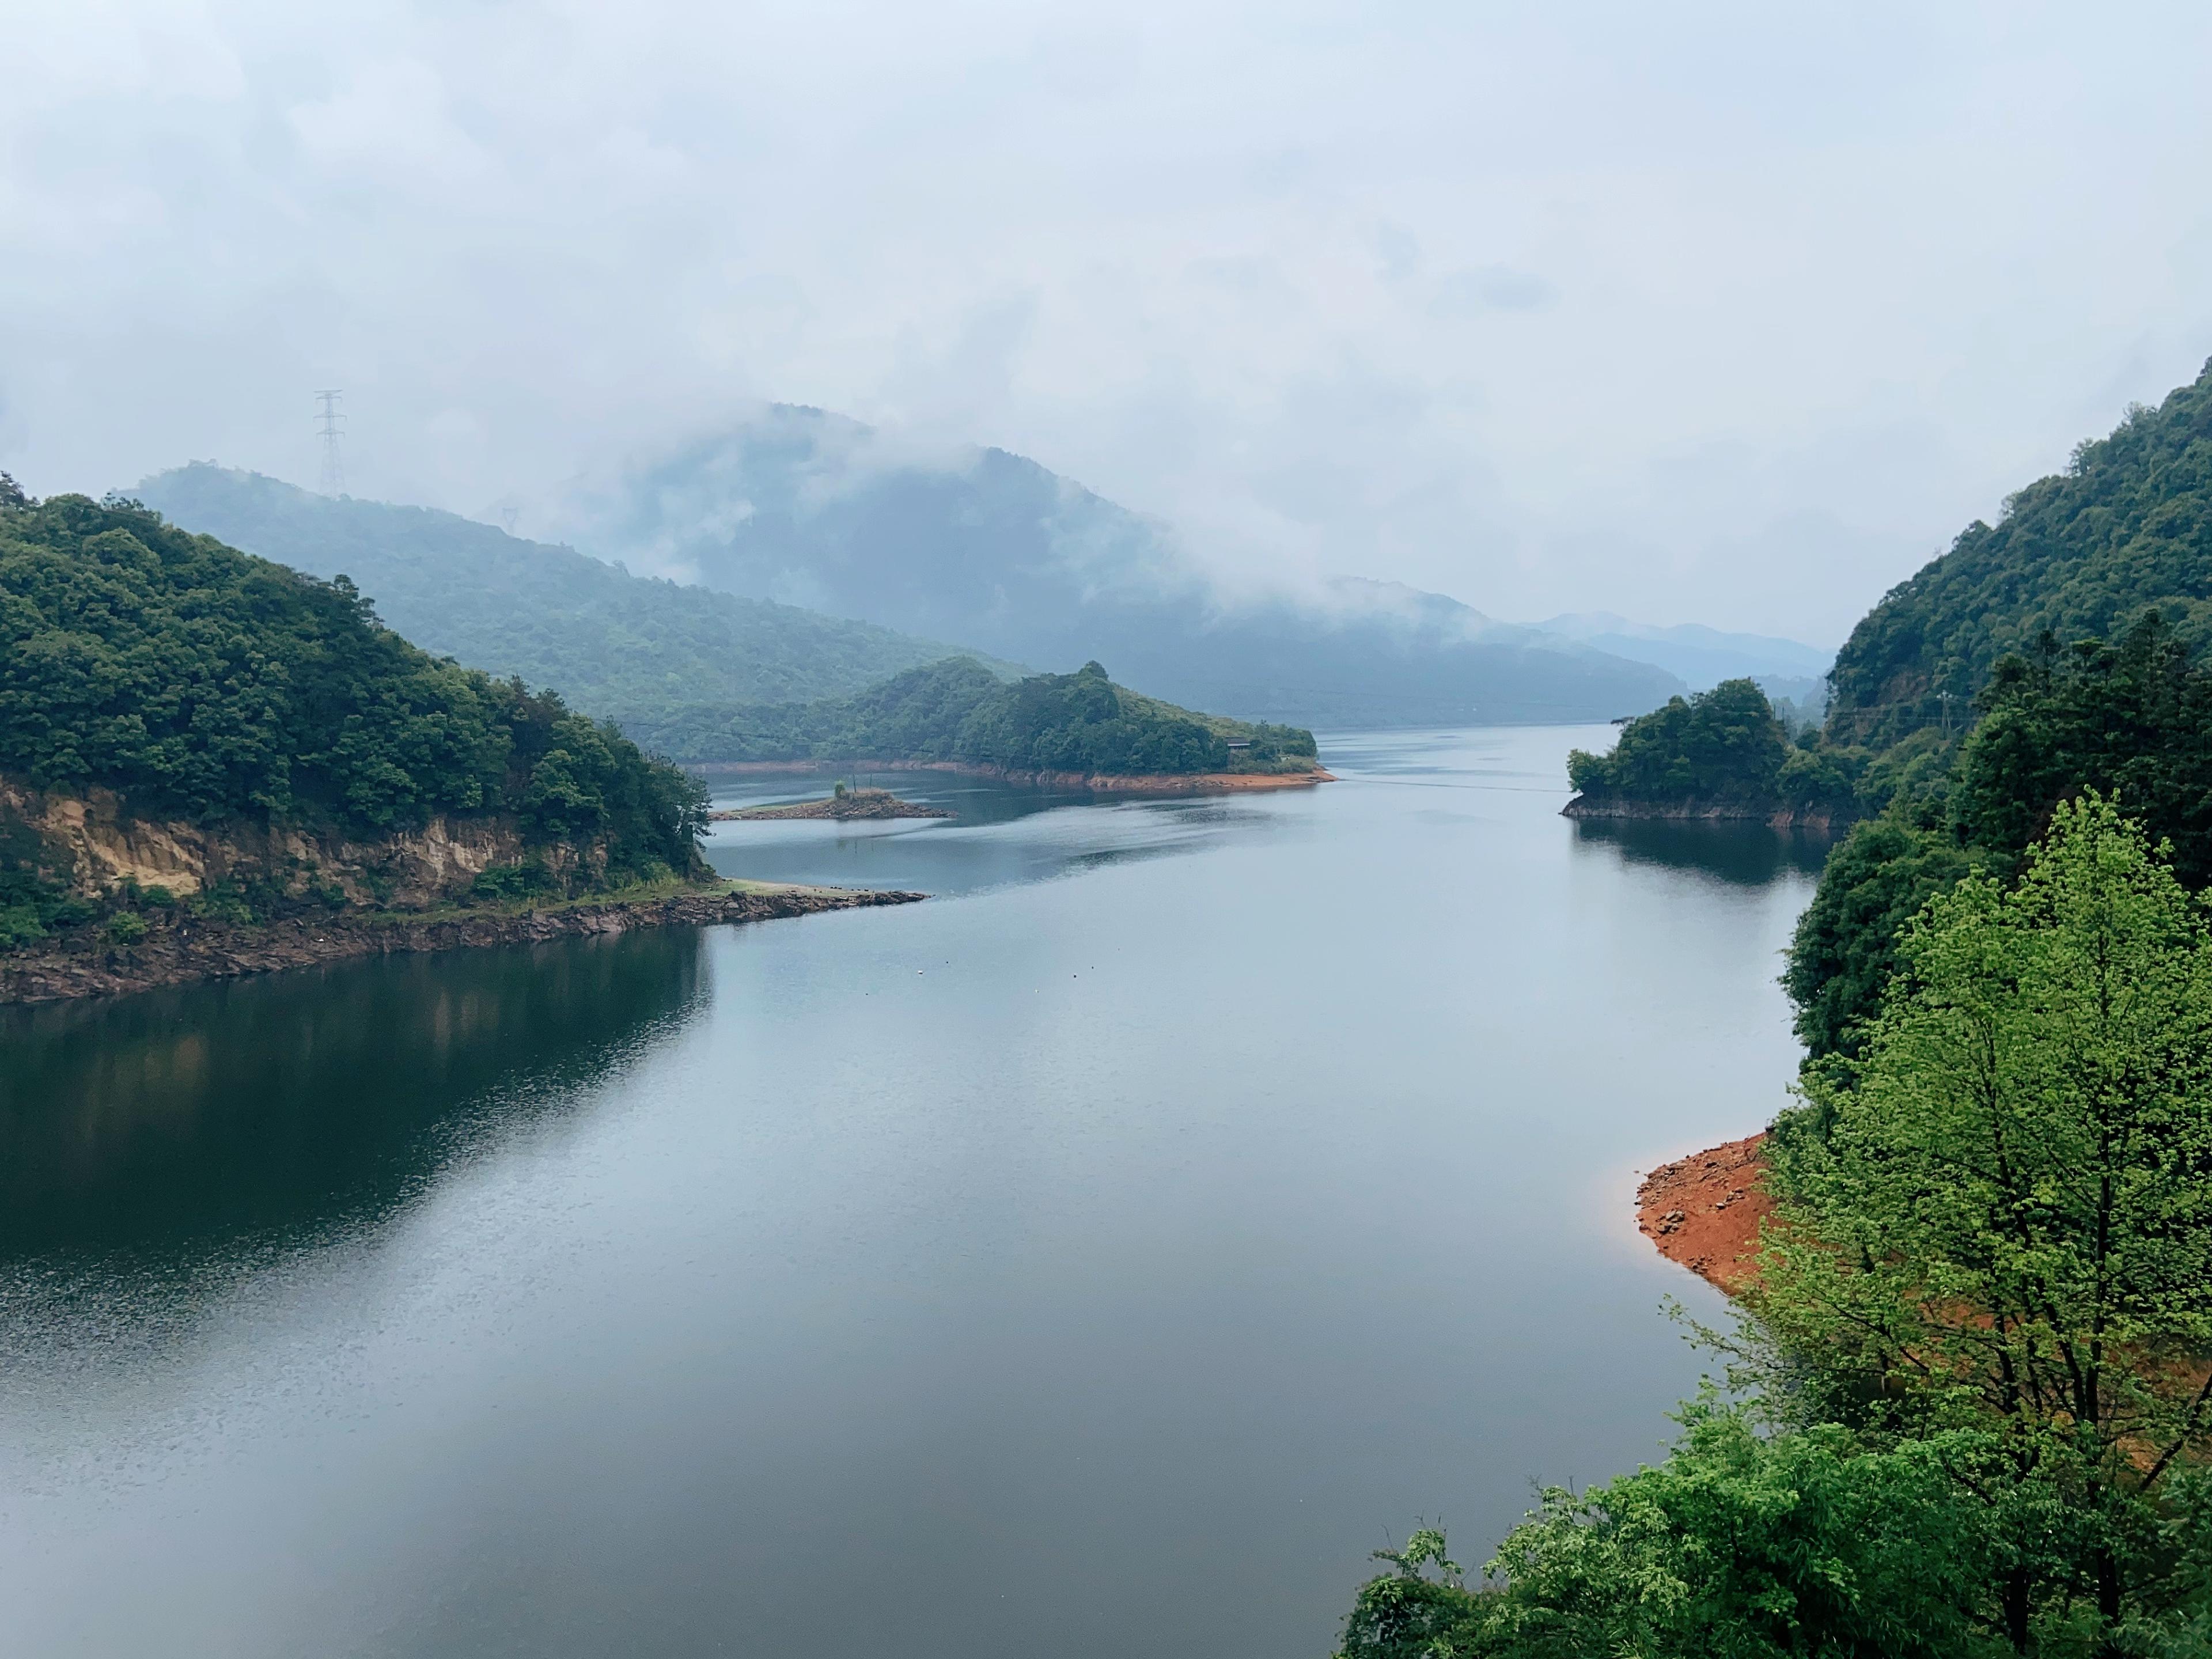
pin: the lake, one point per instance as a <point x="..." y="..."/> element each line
<point x="1100" y="1259"/>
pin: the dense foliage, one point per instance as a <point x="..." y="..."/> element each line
<point x="1845" y="951"/>
<point x="1738" y="1547"/>
<point x="1974" y="1361"/>
<point x="2128" y="526"/>
<point x="631" y="648"/>
<point x="958" y="710"/>
<point x="197" y="680"/>
<point x="1722" y="752"/>
<point x="2131" y="720"/>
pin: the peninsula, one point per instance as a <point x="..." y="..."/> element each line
<point x="212" y="765"/>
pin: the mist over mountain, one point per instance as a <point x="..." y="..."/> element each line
<point x="1702" y="656"/>
<point x="807" y="507"/>
<point x="623" y="646"/>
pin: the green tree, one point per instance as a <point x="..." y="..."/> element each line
<point x="1844" y="951"/>
<point x="2131" y="719"/>
<point x="198" y="682"/>
<point x="1720" y="749"/>
<point x="1738" y="1547"/>
<point x="2008" y="1223"/>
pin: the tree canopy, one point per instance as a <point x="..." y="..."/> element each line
<point x="1722" y="752"/>
<point x="198" y="681"/>
<point x="1973" y="1414"/>
<point x="2131" y="719"/>
<point x="631" y="648"/>
<point x="959" y="710"/>
<point x="2126" y="527"/>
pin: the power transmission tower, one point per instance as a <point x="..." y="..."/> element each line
<point x="331" y="425"/>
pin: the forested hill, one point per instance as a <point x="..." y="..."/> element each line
<point x="203" y="685"/>
<point x="996" y="551"/>
<point x="630" y="648"/>
<point x="2127" y="527"/>
<point x="956" y="710"/>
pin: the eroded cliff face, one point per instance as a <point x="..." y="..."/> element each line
<point x="102" y="846"/>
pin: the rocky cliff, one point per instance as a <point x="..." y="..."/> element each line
<point x="102" y="846"/>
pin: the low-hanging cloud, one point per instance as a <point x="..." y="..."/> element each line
<point x="1731" y="313"/>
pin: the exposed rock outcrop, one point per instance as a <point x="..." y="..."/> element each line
<point x="103" y="845"/>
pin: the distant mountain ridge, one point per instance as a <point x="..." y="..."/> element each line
<point x="988" y="547"/>
<point x="621" y="647"/>
<point x="1702" y="656"/>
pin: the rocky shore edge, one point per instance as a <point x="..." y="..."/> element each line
<point x="854" y="804"/>
<point x="1145" y="783"/>
<point x="192" y="950"/>
<point x="1703" y="1212"/>
<point x="1699" y="811"/>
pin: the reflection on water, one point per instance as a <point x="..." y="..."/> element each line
<point x="1002" y="833"/>
<point x="1032" y="1260"/>
<point x="1740" y="854"/>
<point x="301" y="1101"/>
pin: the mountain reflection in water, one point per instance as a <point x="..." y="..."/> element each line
<point x="1102" y="1257"/>
<point x="293" y="1104"/>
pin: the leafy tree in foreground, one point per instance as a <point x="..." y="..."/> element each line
<point x="1983" y="1330"/>
<point x="2009" y="1224"/>
<point x="1738" y="1547"/>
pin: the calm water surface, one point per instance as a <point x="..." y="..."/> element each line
<point x="1098" y="1259"/>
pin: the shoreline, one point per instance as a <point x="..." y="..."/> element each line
<point x="1693" y="812"/>
<point x="1147" y="783"/>
<point x="1703" y="1212"/>
<point x="860" y="805"/>
<point x="192" y="951"/>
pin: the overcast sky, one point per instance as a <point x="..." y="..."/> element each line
<point x="1731" y="314"/>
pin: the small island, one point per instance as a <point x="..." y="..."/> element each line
<point x="845" y="804"/>
<point x="1718" y="755"/>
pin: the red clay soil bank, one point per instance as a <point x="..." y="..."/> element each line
<point x="1703" y="1212"/>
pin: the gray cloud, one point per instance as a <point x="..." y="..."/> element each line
<point x="1725" y="312"/>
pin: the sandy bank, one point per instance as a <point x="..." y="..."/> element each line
<point x="1703" y="1212"/>
<point x="854" y="804"/>
<point x="1148" y="783"/>
<point x="175" y="953"/>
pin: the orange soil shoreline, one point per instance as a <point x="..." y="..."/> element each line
<point x="1703" y="1212"/>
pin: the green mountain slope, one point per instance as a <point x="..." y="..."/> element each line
<point x="2127" y="527"/>
<point x="203" y="685"/>
<point x="626" y="648"/>
<point x="994" y="549"/>
<point x="958" y="710"/>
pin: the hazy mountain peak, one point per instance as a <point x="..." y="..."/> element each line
<point x="980" y="544"/>
<point x="1703" y="656"/>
